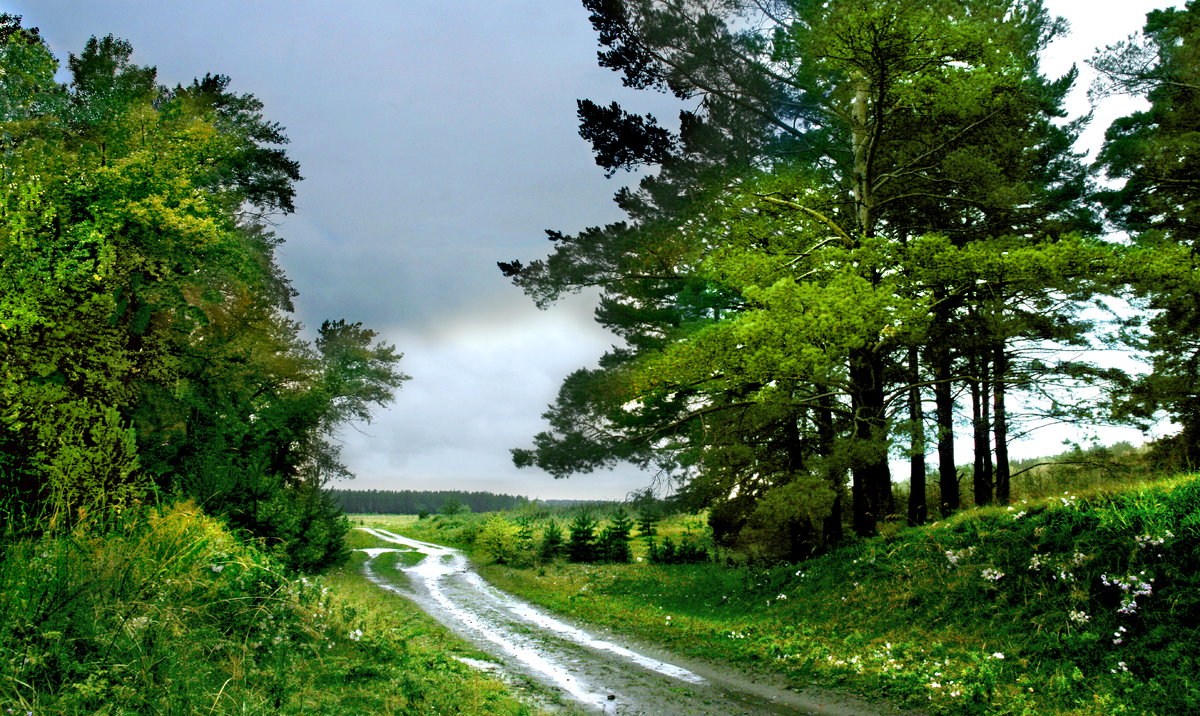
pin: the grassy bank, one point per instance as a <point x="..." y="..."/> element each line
<point x="170" y="614"/>
<point x="1078" y="604"/>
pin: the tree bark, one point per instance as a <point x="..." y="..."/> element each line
<point x="1003" y="486"/>
<point x="918" y="511"/>
<point x="872" y="485"/>
<point x="941" y="361"/>
<point x="980" y="392"/>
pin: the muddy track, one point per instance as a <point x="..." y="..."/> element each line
<point x="592" y="674"/>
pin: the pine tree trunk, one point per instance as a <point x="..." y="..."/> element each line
<point x="872" y="485"/>
<point x="982" y="479"/>
<point x="943" y="394"/>
<point x="917" y="509"/>
<point x="1003" y="486"/>
<point x="799" y="538"/>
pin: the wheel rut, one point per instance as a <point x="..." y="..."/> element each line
<point x="583" y="671"/>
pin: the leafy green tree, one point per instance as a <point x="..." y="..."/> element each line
<point x="1156" y="153"/>
<point x="885" y="122"/>
<point x="452" y="507"/>
<point x="142" y="310"/>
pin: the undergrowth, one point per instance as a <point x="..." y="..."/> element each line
<point x="168" y="613"/>
<point x="1076" y="604"/>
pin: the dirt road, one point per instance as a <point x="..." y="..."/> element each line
<point x="596" y="675"/>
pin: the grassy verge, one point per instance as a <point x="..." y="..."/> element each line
<point x="1081" y="604"/>
<point x="170" y="614"/>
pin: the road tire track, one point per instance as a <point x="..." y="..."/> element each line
<point x="599" y="675"/>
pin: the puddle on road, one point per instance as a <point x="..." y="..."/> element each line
<point x="595" y="673"/>
<point x="483" y="612"/>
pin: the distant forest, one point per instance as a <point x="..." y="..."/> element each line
<point x="411" y="502"/>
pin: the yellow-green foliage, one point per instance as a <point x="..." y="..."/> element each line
<point x="168" y="613"/>
<point x="499" y="540"/>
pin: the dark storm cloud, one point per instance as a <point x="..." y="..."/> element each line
<point x="435" y="139"/>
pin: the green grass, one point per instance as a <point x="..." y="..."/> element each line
<point x="168" y="613"/>
<point x="358" y="539"/>
<point x="454" y="531"/>
<point x="1022" y="610"/>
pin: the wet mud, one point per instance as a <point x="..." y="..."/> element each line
<point x="571" y="668"/>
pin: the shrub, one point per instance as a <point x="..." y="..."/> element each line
<point x="669" y="553"/>
<point x="581" y="545"/>
<point x="613" y="545"/>
<point x="136" y="618"/>
<point x="552" y="541"/>
<point x="499" y="541"/>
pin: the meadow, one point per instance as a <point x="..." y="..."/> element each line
<point x="1075" y="601"/>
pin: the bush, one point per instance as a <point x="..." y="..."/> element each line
<point x="669" y="553"/>
<point x="500" y="541"/>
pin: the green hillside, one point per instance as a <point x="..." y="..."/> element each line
<point x="1081" y="603"/>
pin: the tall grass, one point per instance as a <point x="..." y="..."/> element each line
<point x="166" y="612"/>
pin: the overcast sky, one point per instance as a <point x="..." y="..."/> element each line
<point x="435" y="140"/>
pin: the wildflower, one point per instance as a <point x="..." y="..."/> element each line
<point x="217" y="568"/>
<point x="998" y="655"/>
<point x="781" y="596"/>
<point x="992" y="575"/>
<point x="934" y="685"/>
<point x="1078" y="617"/>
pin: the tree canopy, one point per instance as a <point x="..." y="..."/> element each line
<point x="874" y="207"/>
<point x="1154" y="153"/>
<point x="143" y="316"/>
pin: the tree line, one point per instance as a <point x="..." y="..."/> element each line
<point x="412" y="502"/>
<point x="148" y="352"/>
<point x="870" y="231"/>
